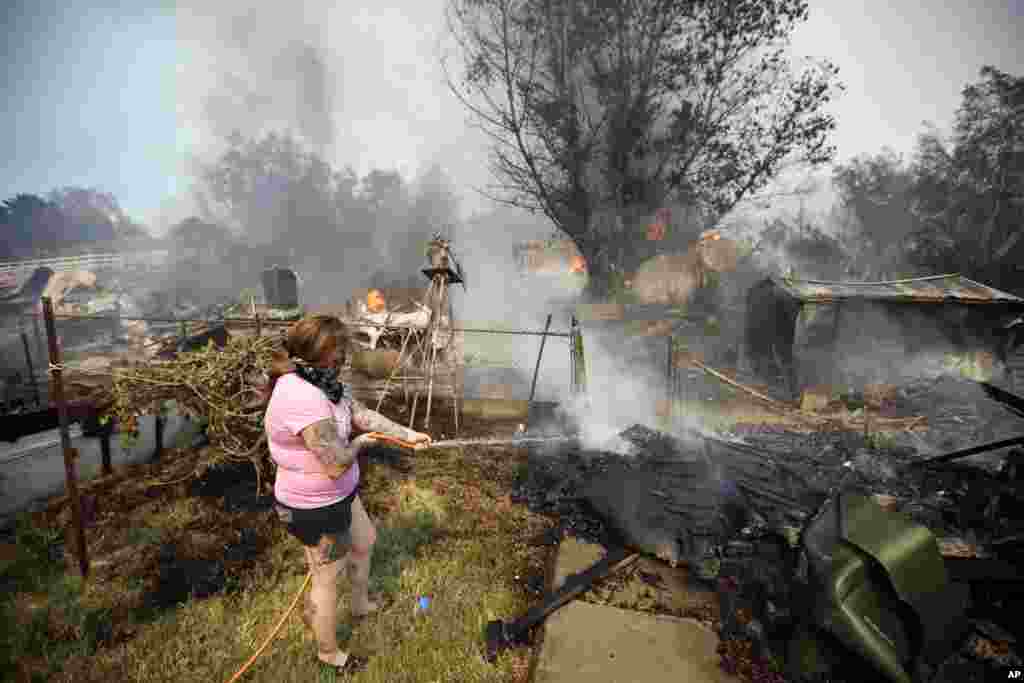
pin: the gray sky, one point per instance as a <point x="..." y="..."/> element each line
<point x="123" y="99"/>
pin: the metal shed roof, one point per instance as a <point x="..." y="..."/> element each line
<point x="934" y="289"/>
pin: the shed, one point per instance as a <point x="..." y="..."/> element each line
<point x="850" y="334"/>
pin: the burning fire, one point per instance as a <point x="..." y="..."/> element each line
<point x="375" y="301"/>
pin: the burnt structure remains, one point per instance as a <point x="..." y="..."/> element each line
<point x="775" y="519"/>
<point x="812" y="333"/>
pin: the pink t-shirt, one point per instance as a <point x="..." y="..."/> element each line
<point x="294" y="405"/>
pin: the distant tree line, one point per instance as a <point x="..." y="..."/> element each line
<point x="36" y="226"/>
<point x="958" y="204"/>
<point x="271" y="201"/>
<point x="600" y="113"/>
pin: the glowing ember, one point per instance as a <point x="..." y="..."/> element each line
<point x="375" y="301"/>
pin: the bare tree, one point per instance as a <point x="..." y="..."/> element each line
<point x="598" y="108"/>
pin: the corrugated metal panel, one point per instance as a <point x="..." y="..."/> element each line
<point x="1015" y="369"/>
<point x="935" y="289"/>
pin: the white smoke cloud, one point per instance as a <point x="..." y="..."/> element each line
<point x="360" y="83"/>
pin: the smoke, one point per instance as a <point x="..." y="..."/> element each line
<point x="625" y="378"/>
<point x="258" y="69"/>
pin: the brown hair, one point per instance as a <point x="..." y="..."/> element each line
<point x="309" y="340"/>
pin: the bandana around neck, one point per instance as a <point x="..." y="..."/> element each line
<point x="324" y="379"/>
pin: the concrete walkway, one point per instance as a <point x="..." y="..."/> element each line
<point x="604" y="643"/>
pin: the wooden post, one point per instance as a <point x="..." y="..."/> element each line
<point x="259" y="326"/>
<point x="670" y="383"/>
<point x="116" y="331"/>
<point x="158" y="428"/>
<point x="536" y="368"/>
<point x="40" y="346"/>
<point x="107" y="430"/>
<point x="31" y="369"/>
<point x="581" y="360"/>
<point x="65" y="437"/>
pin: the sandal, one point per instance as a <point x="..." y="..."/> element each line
<point x="351" y="664"/>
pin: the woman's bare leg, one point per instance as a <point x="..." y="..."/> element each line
<point x="321" y="605"/>
<point x="364" y="535"/>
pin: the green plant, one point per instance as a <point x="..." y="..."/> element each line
<point x="144" y="535"/>
<point x="880" y="441"/>
<point x="397" y="546"/>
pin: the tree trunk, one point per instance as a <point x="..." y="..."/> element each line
<point x="599" y="273"/>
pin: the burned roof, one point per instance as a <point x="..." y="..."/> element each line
<point x="934" y="289"/>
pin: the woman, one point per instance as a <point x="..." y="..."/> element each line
<point x="309" y="418"/>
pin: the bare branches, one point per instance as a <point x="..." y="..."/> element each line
<point x="592" y="104"/>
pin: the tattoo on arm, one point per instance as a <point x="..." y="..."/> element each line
<point x="322" y="439"/>
<point x="371" y="421"/>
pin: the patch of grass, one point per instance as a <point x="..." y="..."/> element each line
<point x="396" y="547"/>
<point x="45" y="618"/>
<point x="144" y="535"/>
<point x="449" y="535"/>
<point x="881" y="441"/>
<point x="33" y="568"/>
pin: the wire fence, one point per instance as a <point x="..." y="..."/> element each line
<point x="56" y="366"/>
<point x="274" y="322"/>
<point x="36" y="390"/>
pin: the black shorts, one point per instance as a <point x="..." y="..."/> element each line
<point x="310" y="525"/>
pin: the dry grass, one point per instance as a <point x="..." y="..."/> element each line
<point x="446" y="530"/>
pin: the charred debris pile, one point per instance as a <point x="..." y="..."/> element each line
<point x="737" y="510"/>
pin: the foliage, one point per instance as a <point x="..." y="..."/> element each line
<point x="876" y="191"/>
<point x="31" y="222"/>
<point x="597" y="107"/>
<point x="299" y="208"/>
<point x="220" y="386"/>
<point x="969" y="191"/>
<point x="958" y="206"/>
<point x="66" y="216"/>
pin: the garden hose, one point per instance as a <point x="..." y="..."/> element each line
<point x="273" y="634"/>
<point x="238" y="674"/>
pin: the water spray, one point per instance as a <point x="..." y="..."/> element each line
<point x="458" y="443"/>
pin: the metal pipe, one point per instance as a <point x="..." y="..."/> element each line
<point x="669" y="382"/>
<point x="572" y="358"/>
<point x="31" y="368"/>
<point x="65" y="437"/>
<point x="974" y="450"/>
<point x="40" y="346"/>
<point x="536" y="369"/>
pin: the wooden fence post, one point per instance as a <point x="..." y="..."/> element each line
<point x="70" y="455"/>
<point x="107" y="430"/>
<point x="158" y="428"/>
